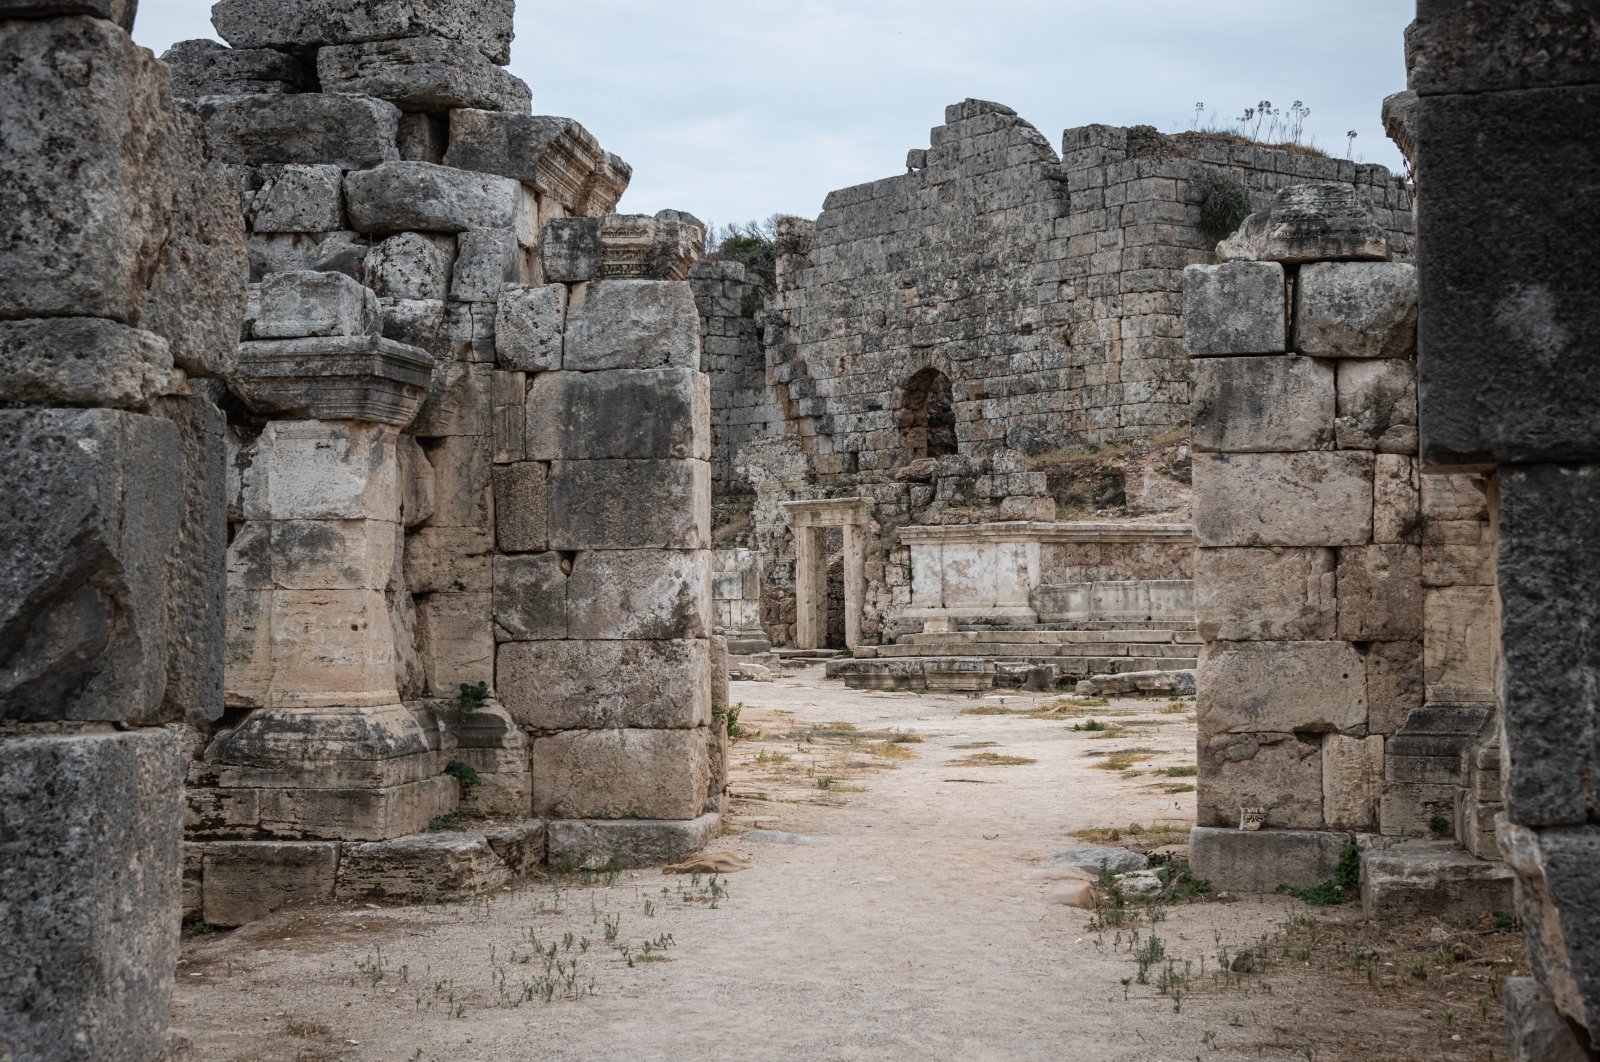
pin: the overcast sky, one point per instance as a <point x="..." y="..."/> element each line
<point x="737" y="109"/>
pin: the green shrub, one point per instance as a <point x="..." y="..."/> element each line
<point x="1224" y="204"/>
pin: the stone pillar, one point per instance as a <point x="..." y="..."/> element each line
<point x="602" y="580"/>
<point x="810" y="521"/>
<point x="1506" y="141"/>
<point x="121" y="263"/>
<point x="1345" y="672"/>
<point x="855" y="583"/>
<point x="810" y="588"/>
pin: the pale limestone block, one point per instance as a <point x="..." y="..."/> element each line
<point x="459" y="402"/>
<point x="321" y="470"/>
<point x="357" y="814"/>
<point x="1257" y="594"/>
<point x="630" y="504"/>
<point x="463" y="481"/>
<point x="1460" y="628"/>
<point x="530" y="597"/>
<point x="448" y="559"/>
<point x="1457" y="496"/>
<point x="1356" y="310"/>
<point x="1234" y="308"/>
<point x="312" y="555"/>
<point x="301" y="304"/>
<point x="633" y="324"/>
<point x="1394" y="684"/>
<point x="619" y="414"/>
<point x="640" y="593"/>
<point x="309" y="648"/>
<point x="416" y="482"/>
<point x="456" y="635"/>
<point x="1380" y="593"/>
<point x="522" y="506"/>
<point x="244" y="881"/>
<point x="1280" y="773"/>
<point x="1302" y="499"/>
<point x="425" y="868"/>
<point x="1458" y="553"/>
<point x="1352" y="781"/>
<point x="620" y="774"/>
<point x="554" y="685"/>
<point x="1263" y="404"/>
<point x="1282" y="687"/>
<point x="1396" y="500"/>
<point x="529" y="325"/>
<point x="1378" y="405"/>
<point x="509" y="395"/>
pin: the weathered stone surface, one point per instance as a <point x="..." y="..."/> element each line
<point x="1260" y="861"/>
<point x="90" y="828"/>
<point x="640" y="593"/>
<point x="530" y="597"/>
<point x="456" y="633"/>
<point x="345" y="131"/>
<point x="630" y="505"/>
<point x="1280" y="773"/>
<point x="593" y="685"/>
<point x="399" y="196"/>
<point x="1282" y="687"/>
<point x="468" y="331"/>
<point x="96" y="506"/>
<point x="1508" y="325"/>
<point x="1460" y="497"/>
<point x="521" y="846"/>
<point x="556" y="156"/>
<point x="1301" y="499"/>
<point x="1256" y="594"/>
<point x="633" y="324"/>
<point x="458" y="405"/>
<point x="638" y="413"/>
<point x="327" y="252"/>
<point x="207" y="68"/>
<point x="486" y="261"/>
<point x="1380" y="593"/>
<point x="448" y="560"/>
<point x="1396" y="515"/>
<point x="1395" y="687"/>
<point x="1535" y="1030"/>
<point x="1560" y="910"/>
<point x="86" y="171"/>
<point x="282" y="651"/>
<point x="82" y="361"/>
<point x="1310" y="223"/>
<point x="422" y="74"/>
<point x="312" y="470"/>
<point x="529" y="324"/>
<point x="121" y="12"/>
<point x="1549" y="595"/>
<point x="1453" y="48"/>
<point x="426" y="868"/>
<point x="330" y="747"/>
<point x="1431" y="879"/>
<point x="335" y="378"/>
<point x="416" y="323"/>
<point x="356" y="814"/>
<point x="485" y="24"/>
<point x="595" y="845"/>
<point x="1378" y="406"/>
<point x="244" y="881"/>
<point x="299" y="199"/>
<point x="1234" y="308"/>
<point x="1459" y="629"/>
<point x="1246" y="405"/>
<point x="619" y="774"/>
<point x="1352" y="781"/>
<point x="1180" y="683"/>
<point x="312" y="555"/>
<point x="294" y="305"/>
<point x="1093" y="857"/>
<point x="522" y="506"/>
<point x="423" y="137"/>
<point x="411" y="266"/>
<point x="1356" y="310"/>
<point x="621" y="247"/>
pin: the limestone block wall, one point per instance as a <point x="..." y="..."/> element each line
<point x="1506" y="143"/>
<point x="1039" y="293"/>
<point x="729" y="297"/>
<point x="121" y="293"/>
<point x="1344" y="599"/>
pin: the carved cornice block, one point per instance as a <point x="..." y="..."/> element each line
<point x="622" y="246"/>
<point x="366" y="378"/>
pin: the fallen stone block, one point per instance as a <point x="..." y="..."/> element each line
<point x="624" y="413"/>
<point x="529" y="325"/>
<point x="597" y="845"/>
<point x="1356" y="310"/>
<point x="295" y="305"/>
<point x="419" y="196"/>
<point x="1263" y="404"/>
<point x="633" y="324"/>
<point x="1234" y="308"/>
<point x="1095" y="857"/>
<point x="425" y="868"/>
<point x="1282" y="687"/>
<point x="1265" y="594"/>
<point x="555" y="156"/>
<point x="1280" y="774"/>
<point x="485" y="24"/>
<point x="96" y="507"/>
<point x="1302" y="499"/>
<point x="1179" y="683"/>
<point x="1310" y="223"/>
<point x="82" y="361"/>
<point x="619" y="774"/>
<point x="630" y="505"/>
<point x="207" y="68"/>
<point x="86" y="172"/>
<point x="521" y="846"/>
<point x="299" y="199"/>
<point x="1260" y="861"/>
<point x="597" y="685"/>
<point x="351" y="132"/>
<point x="90" y="833"/>
<point x="422" y="74"/>
<point x="1434" y="879"/>
<point x="244" y="881"/>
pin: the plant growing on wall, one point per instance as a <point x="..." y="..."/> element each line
<point x="1224" y="204"/>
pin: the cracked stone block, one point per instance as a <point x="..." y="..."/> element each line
<point x="640" y="414"/>
<point x="1434" y="879"/>
<point x="486" y="261"/>
<point x="82" y="361"/>
<point x="630" y="505"/>
<point x="1263" y="404"/>
<point x="1459" y="631"/>
<point x="484" y="24"/>
<point x="1234" y="308"/>
<point x="529" y="326"/>
<point x="422" y="73"/>
<point x="1300" y="499"/>
<point x="310" y="470"/>
<point x="411" y="266"/>
<point x="1310" y="223"/>
<point x="207" y="68"/>
<point x="1352" y="781"/>
<point x="1397" y="488"/>
<point x="294" y="252"/>
<point x="299" y="199"/>
<point x="595" y="845"/>
<point x="90" y="834"/>
<point x="350" y="132"/>
<point x="297" y="305"/>
<point x="1261" y="594"/>
<point x="1395" y="686"/>
<point x="633" y="324"/>
<point x="590" y="685"/>
<point x="97" y="501"/>
<point x="1282" y="687"/>
<point x="1378" y="406"/>
<point x="1535" y="1030"/>
<point x="620" y="774"/>
<point x="456" y="634"/>
<point x="530" y="597"/>
<point x="427" y="868"/>
<point x="419" y="196"/>
<point x="120" y="12"/>
<point x="557" y="157"/>
<point x="621" y="247"/>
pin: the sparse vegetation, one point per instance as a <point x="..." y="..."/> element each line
<point x="992" y="759"/>
<point x="1224" y="204"/>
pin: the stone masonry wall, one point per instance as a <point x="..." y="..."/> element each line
<point x="1344" y="599"/>
<point x="1045" y="289"/>
<point x="1507" y="143"/>
<point x="729" y="297"/>
<point x="121" y="293"/>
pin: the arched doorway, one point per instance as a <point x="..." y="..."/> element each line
<point x="928" y="416"/>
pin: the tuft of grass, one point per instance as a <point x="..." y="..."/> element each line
<point x="1182" y="772"/>
<point x="1176" y="787"/>
<point x="1174" y="708"/>
<point x="905" y="737"/>
<point x="1123" y="759"/>
<point x="991" y="709"/>
<point x="1343" y="887"/>
<point x="979" y="745"/>
<point x="447" y="821"/>
<point x="843" y="728"/>
<point x="891" y="750"/>
<point x="992" y="759"/>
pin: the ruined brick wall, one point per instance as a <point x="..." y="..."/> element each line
<point x="730" y="297"/>
<point x="1043" y="290"/>
<point x="121" y="295"/>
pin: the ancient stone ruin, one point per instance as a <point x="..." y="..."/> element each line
<point x="389" y="513"/>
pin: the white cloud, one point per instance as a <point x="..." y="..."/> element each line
<point x="735" y="109"/>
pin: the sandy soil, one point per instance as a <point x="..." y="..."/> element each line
<point x="919" y="925"/>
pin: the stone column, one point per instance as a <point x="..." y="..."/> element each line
<point x="121" y="265"/>
<point x="1507" y="143"/>
<point x="810" y="587"/>
<point x="855" y="583"/>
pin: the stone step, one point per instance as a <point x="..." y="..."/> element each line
<point x="1043" y="650"/>
<point x="1056" y="636"/>
<point x="879" y="673"/>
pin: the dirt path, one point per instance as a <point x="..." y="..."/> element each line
<point x="918" y="925"/>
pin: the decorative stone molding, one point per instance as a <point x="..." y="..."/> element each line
<point x="335" y="378"/>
